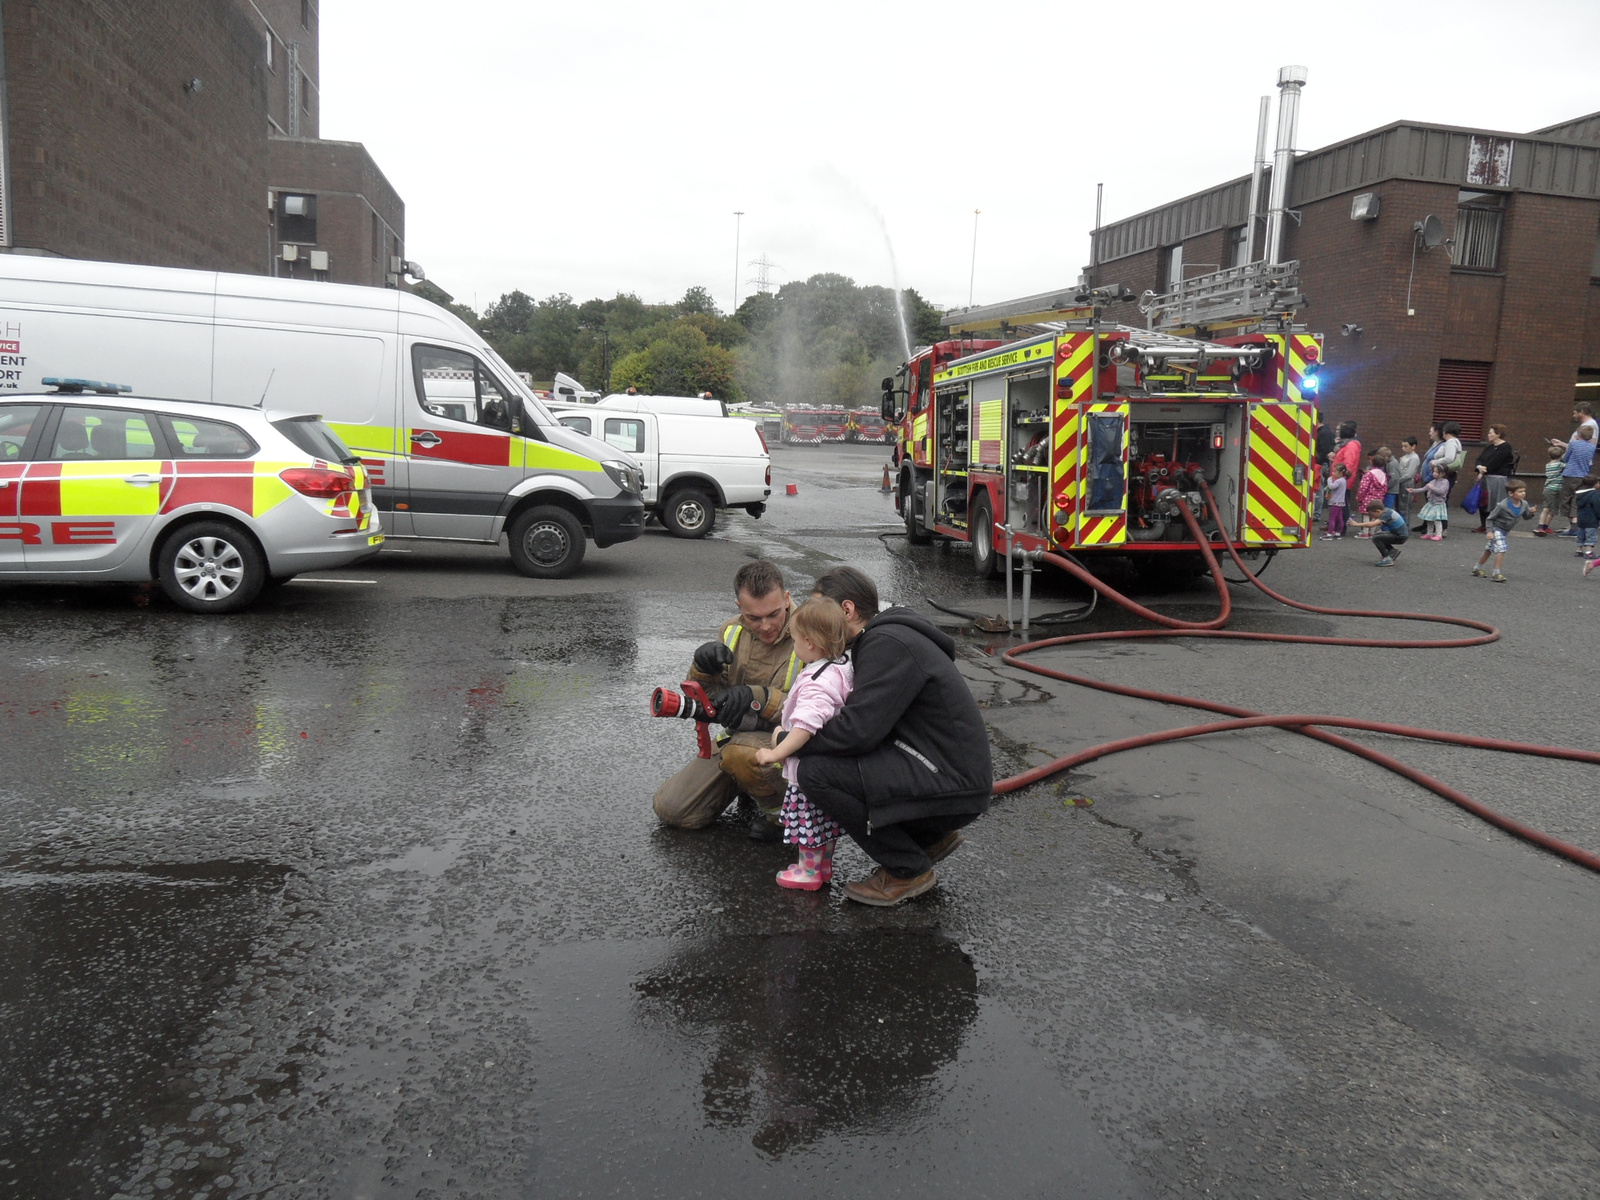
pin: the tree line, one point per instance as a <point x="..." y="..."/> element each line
<point x="823" y="340"/>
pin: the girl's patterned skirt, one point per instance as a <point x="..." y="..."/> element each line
<point x="804" y="824"/>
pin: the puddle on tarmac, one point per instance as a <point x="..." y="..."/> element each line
<point x="807" y="1061"/>
<point x="107" y="978"/>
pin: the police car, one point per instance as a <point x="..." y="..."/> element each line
<point x="213" y="501"/>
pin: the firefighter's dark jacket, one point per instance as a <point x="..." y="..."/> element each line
<point x="911" y="723"/>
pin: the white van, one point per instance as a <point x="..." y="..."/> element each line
<point x="455" y="445"/>
<point x="688" y="406"/>
<point x="693" y="465"/>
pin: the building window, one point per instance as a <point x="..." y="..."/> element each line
<point x="376" y="245"/>
<point x="1594" y="265"/>
<point x="305" y="91"/>
<point x="297" y="218"/>
<point x="270" y="64"/>
<point x="305" y="14"/>
<point x="1239" y="245"/>
<point x="1462" y="394"/>
<point x="1478" y="219"/>
<point x="1174" y="272"/>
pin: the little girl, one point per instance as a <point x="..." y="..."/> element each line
<point x="819" y="691"/>
<point x="1435" y="512"/>
<point x="1374" y="486"/>
<point x="1336" y="487"/>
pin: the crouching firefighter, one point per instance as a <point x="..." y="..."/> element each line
<point x="746" y="673"/>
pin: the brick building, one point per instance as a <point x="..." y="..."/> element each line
<point x="134" y="132"/>
<point x="184" y="134"/>
<point x="1500" y="323"/>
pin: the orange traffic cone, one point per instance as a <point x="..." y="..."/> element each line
<point x="887" y="486"/>
<point x="791" y="490"/>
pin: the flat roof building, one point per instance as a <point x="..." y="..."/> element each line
<point x="1500" y="322"/>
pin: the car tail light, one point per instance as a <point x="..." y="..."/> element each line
<point x="763" y="438"/>
<point x="321" y="483"/>
<point x="769" y="474"/>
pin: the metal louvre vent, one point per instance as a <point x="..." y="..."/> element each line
<point x="1462" y="394"/>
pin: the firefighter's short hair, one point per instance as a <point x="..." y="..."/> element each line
<point x="757" y="579"/>
<point x="847" y="583"/>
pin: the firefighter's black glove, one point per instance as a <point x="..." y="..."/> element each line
<point x="712" y="657"/>
<point x="736" y="708"/>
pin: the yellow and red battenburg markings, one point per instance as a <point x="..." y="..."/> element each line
<point x="1075" y="369"/>
<point x="1280" y="440"/>
<point x="69" y="489"/>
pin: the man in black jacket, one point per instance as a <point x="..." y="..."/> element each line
<point x="905" y="763"/>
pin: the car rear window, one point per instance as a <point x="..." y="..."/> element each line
<point x="197" y="437"/>
<point x="315" y="438"/>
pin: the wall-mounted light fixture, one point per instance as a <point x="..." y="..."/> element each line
<point x="1364" y="207"/>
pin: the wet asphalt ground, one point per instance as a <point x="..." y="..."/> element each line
<point x="358" y="894"/>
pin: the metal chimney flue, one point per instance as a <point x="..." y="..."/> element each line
<point x="1258" y="168"/>
<point x="1290" y="81"/>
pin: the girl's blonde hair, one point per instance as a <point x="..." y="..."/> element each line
<point x="821" y="622"/>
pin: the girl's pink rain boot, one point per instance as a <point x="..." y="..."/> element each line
<point x="806" y="874"/>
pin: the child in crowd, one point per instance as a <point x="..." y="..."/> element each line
<point x="1402" y="474"/>
<point x="819" y="691"/>
<point x="1434" y="510"/>
<point x="1501" y="521"/>
<point x="1336" y="489"/>
<point x="1391" y="527"/>
<point x="1586" y="513"/>
<point x="1551" y="500"/>
<point x="1373" y="486"/>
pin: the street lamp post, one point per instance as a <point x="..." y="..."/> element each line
<point x="738" y="220"/>
<point x="972" y="275"/>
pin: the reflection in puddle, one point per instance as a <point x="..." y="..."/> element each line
<point x="815" y="1033"/>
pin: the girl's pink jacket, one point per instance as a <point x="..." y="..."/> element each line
<point x="819" y="691"/>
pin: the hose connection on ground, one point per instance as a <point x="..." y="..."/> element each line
<point x="1310" y="725"/>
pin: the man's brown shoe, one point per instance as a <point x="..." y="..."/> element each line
<point x="883" y="890"/>
<point x="944" y="847"/>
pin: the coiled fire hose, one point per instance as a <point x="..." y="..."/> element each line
<point x="1310" y="725"/>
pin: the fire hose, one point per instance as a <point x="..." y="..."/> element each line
<point x="1310" y="725"/>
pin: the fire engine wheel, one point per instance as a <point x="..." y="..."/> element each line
<point x="547" y="542"/>
<point x="985" y="562"/>
<point x="210" y="567"/>
<point x="688" y="514"/>
<point x="915" y="533"/>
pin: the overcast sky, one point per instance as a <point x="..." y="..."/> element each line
<point x="593" y="147"/>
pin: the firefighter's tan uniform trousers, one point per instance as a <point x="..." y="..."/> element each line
<point x="696" y="795"/>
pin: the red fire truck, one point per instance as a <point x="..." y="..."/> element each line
<point x="1083" y="435"/>
<point x="802" y="425"/>
<point x="867" y="426"/>
<point x="832" y="423"/>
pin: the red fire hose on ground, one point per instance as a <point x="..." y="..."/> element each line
<point x="1311" y="725"/>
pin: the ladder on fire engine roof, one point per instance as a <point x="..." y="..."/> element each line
<point x="1236" y="295"/>
<point x="1233" y="295"/>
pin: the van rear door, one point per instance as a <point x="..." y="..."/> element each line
<point x="461" y="458"/>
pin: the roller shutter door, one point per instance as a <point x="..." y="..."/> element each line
<point x="1462" y="394"/>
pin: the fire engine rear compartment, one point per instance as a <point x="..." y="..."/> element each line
<point x="1138" y="457"/>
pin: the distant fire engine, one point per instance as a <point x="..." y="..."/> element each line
<point x="1085" y="436"/>
<point x="867" y="425"/>
<point x="802" y="425"/>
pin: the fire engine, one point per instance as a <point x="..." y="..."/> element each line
<point x="867" y="425"/>
<point x="1072" y="433"/>
<point x="802" y="424"/>
<point x="831" y="423"/>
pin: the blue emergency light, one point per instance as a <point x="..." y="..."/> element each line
<point x="76" y="386"/>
